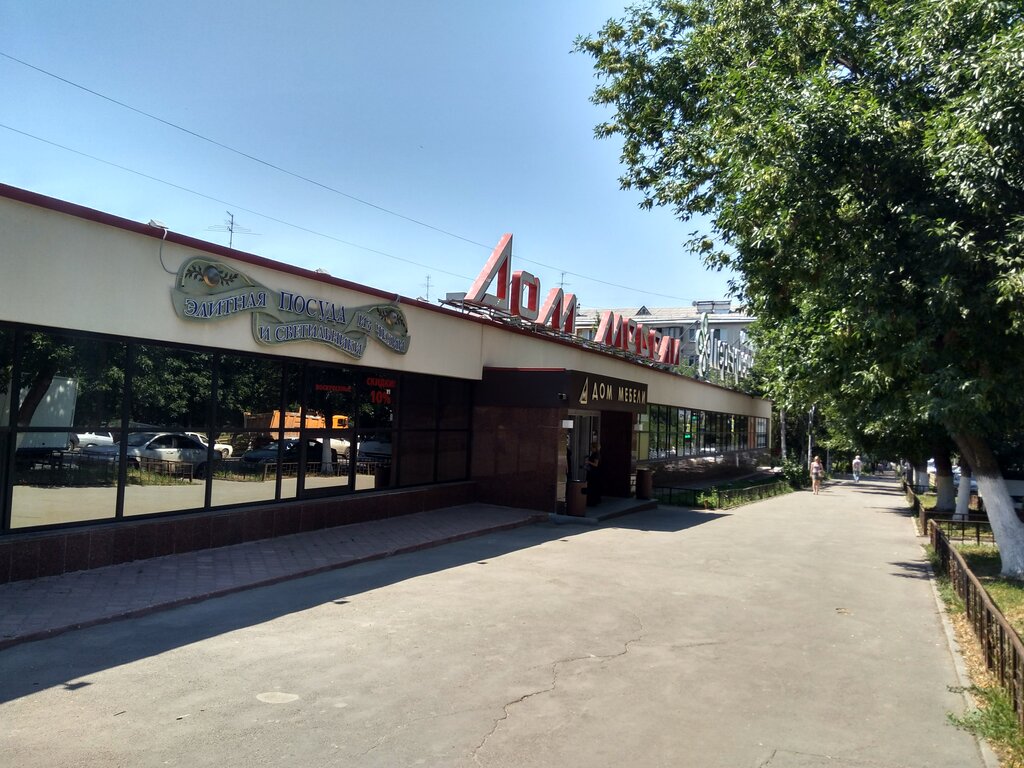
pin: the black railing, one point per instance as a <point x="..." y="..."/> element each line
<point x="1000" y="644"/>
<point x="965" y="531"/>
<point x="719" y="497"/>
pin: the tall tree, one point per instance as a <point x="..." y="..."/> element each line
<point x="862" y="164"/>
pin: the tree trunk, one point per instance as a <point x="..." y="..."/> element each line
<point x="810" y="431"/>
<point x="919" y="475"/>
<point x="945" y="501"/>
<point x="1006" y="527"/>
<point x="34" y="396"/>
<point x="782" y="433"/>
<point x="963" y="495"/>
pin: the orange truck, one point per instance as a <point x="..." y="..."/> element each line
<point x="271" y="422"/>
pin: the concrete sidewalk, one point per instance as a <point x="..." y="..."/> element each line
<point x="37" y="608"/>
<point x="798" y="632"/>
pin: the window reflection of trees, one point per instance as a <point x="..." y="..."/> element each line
<point x="215" y="395"/>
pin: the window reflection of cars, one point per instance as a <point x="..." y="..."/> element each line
<point x="288" y="451"/>
<point x="89" y="439"/>
<point x="224" y="449"/>
<point x="379" y="450"/>
<point x="155" y="446"/>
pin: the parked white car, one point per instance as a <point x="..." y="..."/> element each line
<point x="222" y="448"/>
<point x="89" y="439"/>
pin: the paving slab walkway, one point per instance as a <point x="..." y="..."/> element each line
<point x="38" y="608"/>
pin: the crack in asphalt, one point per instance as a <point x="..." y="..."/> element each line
<point x="554" y="682"/>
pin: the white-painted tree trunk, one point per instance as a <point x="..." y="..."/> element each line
<point x="963" y="497"/>
<point x="1008" y="529"/>
<point x="782" y="433"/>
<point x="1006" y="526"/>
<point x="946" y="499"/>
<point x="919" y="473"/>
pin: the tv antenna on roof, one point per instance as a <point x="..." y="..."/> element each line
<point x="231" y="228"/>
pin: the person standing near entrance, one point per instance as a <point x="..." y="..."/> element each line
<point x="856" y="468"/>
<point x="594" y="475"/>
<point x="817" y="472"/>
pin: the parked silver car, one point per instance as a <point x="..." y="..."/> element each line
<point x="89" y="439"/>
<point x="173" y="447"/>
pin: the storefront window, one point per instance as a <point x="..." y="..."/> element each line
<point x="166" y="453"/>
<point x="417" y="458"/>
<point x="170" y="388"/>
<point x="455" y="401"/>
<point x="248" y="419"/>
<point x="328" y="434"/>
<point x="105" y="428"/>
<point x="452" y="453"/>
<point x="6" y="387"/>
<point x="66" y="420"/>
<point x="418" y="403"/>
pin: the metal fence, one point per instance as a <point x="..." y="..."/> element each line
<point x="969" y="531"/>
<point x="717" y="497"/>
<point x="1000" y="643"/>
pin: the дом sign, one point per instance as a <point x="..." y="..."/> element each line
<point x="518" y="293"/>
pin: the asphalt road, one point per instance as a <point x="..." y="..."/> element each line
<point x="798" y="632"/>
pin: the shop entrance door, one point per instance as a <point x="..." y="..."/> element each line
<point x="586" y="430"/>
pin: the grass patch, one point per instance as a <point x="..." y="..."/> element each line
<point x="994" y="719"/>
<point x="1007" y="594"/>
<point x="996" y="722"/>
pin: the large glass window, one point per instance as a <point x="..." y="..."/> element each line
<point x="63" y="397"/>
<point x="455" y="401"/>
<point x="6" y="441"/>
<point x="327" y="436"/>
<point x="94" y="428"/>
<point x="166" y="459"/>
<point x="378" y="396"/>
<point x="248" y="419"/>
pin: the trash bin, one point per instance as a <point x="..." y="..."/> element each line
<point x="381" y="476"/>
<point x="644" y="484"/>
<point x="575" y="498"/>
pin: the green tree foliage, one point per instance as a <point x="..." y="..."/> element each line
<point x="862" y="166"/>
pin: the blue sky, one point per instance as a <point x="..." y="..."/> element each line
<point x="472" y="117"/>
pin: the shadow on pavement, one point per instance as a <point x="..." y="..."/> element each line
<point x="913" y="570"/>
<point x="665" y="519"/>
<point x="70" y="658"/>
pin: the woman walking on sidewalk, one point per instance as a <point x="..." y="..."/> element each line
<point x="817" y="472"/>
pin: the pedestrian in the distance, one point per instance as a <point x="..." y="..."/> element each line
<point x="817" y="472"/>
<point x="856" y="468"/>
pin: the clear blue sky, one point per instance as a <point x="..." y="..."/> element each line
<point x="470" y="116"/>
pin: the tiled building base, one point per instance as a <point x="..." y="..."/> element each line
<point x="32" y="555"/>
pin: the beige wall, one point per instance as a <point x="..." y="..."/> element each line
<point x="60" y="270"/>
<point x="64" y="271"/>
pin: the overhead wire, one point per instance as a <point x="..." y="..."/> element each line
<point x="226" y="202"/>
<point x="295" y="175"/>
